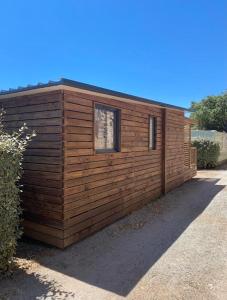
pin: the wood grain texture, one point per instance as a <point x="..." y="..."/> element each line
<point x="42" y="196"/>
<point x="70" y="191"/>
<point x="101" y="188"/>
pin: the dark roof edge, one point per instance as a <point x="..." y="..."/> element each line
<point x="92" y="88"/>
<point x="101" y="90"/>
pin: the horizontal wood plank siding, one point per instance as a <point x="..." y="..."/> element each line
<point x="187" y="145"/>
<point x="42" y="179"/>
<point x="189" y="169"/>
<point x="101" y="188"/>
<point x="174" y="149"/>
<point x="70" y="191"/>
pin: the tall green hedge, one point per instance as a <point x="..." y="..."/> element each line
<point x="207" y="153"/>
<point x="12" y="147"/>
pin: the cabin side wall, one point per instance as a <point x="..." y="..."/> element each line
<point x="187" y="145"/>
<point x="190" y="166"/>
<point x="174" y="144"/>
<point x="101" y="188"/>
<point x="42" y="178"/>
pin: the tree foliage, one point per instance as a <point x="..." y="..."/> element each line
<point x="12" y="147"/>
<point x="211" y="113"/>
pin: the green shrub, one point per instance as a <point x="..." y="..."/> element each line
<point x="12" y="147"/>
<point x="207" y="153"/>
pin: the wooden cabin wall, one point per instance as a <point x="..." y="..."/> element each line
<point x="69" y="190"/>
<point x="189" y="169"/>
<point x="187" y="145"/>
<point x="174" y="149"/>
<point x="101" y="188"/>
<point x="42" y="179"/>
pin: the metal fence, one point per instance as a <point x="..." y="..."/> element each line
<point x="215" y="136"/>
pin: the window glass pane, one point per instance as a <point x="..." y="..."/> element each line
<point x="110" y="117"/>
<point x="152" y="133"/>
<point x="104" y="128"/>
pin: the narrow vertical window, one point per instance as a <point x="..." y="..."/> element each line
<point x="106" y="129"/>
<point x="152" y="133"/>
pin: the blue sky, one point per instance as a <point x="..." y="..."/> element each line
<point x="173" y="51"/>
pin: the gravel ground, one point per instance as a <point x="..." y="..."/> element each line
<point x="174" y="248"/>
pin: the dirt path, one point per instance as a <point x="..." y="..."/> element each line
<point x="174" y="248"/>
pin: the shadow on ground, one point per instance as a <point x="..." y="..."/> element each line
<point x="116" y="258"/>
<point x="222" y="167"/>
<point x="32" y="286"/>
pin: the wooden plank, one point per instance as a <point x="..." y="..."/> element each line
<point x="33" y="108"/>
<point x="78" y="130"/>
<point x="48" y="160"/>
<point x="33" y="116"/>
<point x="44" y="229"/>
<point x="79" y="123"/>
<point x="44" y="152"/>
<point x="31" y="123"/>
<point x="78" y="138"/>
<point x="42" y="167"/>
<point x="78" y="115"/>
<point x="52" y="97"/>
<point x="77" y="107"/>
<point x="44" y="237"/>
<point x="79" y="145"/>
<point x="77" y="99"/>
<point x="44" y="145"/>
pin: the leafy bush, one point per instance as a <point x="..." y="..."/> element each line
<point x="207" y="153"/>
<point x="12" y="147"/>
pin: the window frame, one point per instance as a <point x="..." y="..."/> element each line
<point x="154" y="132"/>
<point x="117" y="127"/>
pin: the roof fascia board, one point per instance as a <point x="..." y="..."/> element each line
<point x="85" y="91"/>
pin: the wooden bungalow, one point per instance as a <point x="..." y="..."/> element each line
<point x="97" y="156"/>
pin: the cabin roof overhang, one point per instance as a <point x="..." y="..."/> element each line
<point x="67" y="84"/>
